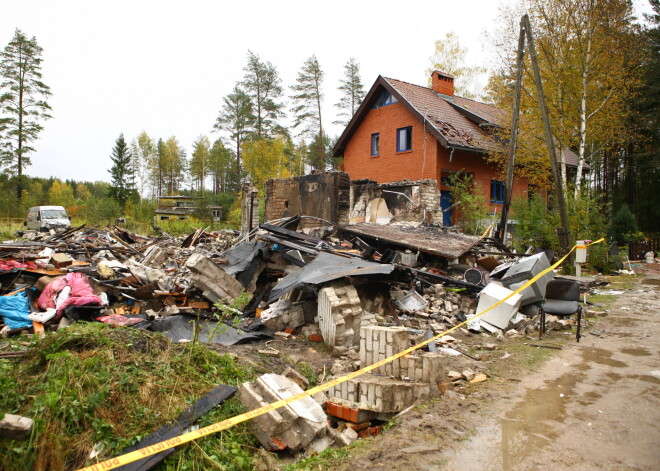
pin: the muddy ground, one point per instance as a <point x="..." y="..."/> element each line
<point x="592" y="405"/>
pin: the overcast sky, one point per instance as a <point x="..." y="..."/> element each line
<point x="164" y="66"/>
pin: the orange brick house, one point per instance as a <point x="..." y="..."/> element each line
<point x="405" y="131"/>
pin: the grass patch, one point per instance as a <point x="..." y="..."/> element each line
<point x="529" y="357"/>
<point x="92" y="384"/>
<point x="331" y="458"/>
<point x="8" y="230"/>
<point x="601" y="298"/>
<point x="308" y="372"/>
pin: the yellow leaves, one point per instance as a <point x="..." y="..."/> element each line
<point x="265" y="159"/>
<point x="61" y="194"/>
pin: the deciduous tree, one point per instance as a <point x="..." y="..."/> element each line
<point x="265" y="159"/>
<point x="222" y="169"/>
<point x="22" y="102"/>
<point x="143" y="151"/>
<point x="307" y="98"/>
<point x="449" y="56"/>
<point x="174" y="165"/>
<point x="588" y="58"/>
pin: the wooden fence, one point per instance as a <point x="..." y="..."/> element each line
<point x="636" y="250"/>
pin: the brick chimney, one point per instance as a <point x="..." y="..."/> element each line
<point x="442" y="82"/>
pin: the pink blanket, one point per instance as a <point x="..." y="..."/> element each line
<point x="81" y="293"/>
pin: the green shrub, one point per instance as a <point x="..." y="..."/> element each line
<point x="537" y="227"/>
<point x="623" y="228"/>
<point x="472" y="208"/>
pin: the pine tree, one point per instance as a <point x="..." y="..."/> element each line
<point x="22" y="102"/>
<point x="236" y="118"/>
<point x="308" y="97"/>
<point x="262" y="85"/>
<point x="123" y="184"/>
<point x="352" y="92"/>
<point x="199" y="165"/>
<point x="222" y="169"/>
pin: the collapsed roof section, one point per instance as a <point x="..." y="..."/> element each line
<point x="405" y="214"/>
<point x="426" y="239"/>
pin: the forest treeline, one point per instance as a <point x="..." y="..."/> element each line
<point x="599" y="64"/>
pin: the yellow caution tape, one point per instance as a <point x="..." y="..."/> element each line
<point x="227" y="423"/>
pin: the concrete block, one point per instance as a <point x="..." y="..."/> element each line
<point x="207" y="276"/>
<point x="296" y="377"/>
<point x="16" y="427"/>
<point x="339" y="314"/>
<point x="296" y="424"/>
<point x="283" y="314"/>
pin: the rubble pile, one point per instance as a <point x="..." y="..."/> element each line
<point x="367" y="291"/>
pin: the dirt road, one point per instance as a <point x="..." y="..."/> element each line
<point x="591" y="406"/>
<point x="594" y="406"/>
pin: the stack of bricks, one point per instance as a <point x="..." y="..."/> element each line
<point x="339" y="315"/>
<point x="377" y="394"/>
<point x="396" y="385"/>
<point x="429" y="200"/>
<point x="215" y="283"/>
<point x="378" y="343"/>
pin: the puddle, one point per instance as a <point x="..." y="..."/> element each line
<point x="589" y="398"/>
<point x="614" y="377"/>
<point x="531" y="424"/>
<point x="624" y="321"/>
<point x="638" y="352"/>
<point x="602" y="357"/>
<point x="647" y="378"/>
<point x="651" y="281"/>
<point x="624" y="334"/>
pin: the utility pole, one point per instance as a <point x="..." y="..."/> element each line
<point x="564" y="232"/>
<point x="513" y="142"/>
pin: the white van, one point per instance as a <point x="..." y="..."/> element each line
<point x="45" y="218"/>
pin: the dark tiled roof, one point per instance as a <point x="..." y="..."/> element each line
<point x="572" y="158"/>
<point x="454" y="127"/>
<point x="456" y="122"/>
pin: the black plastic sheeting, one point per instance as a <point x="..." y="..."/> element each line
<point x="327" y="267"/>
<point x="176" y="428"/>
<point x="243" y="260"/>
<point x="181" y="327"/>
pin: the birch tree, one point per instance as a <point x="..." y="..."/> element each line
<point x="449" y="56"/>
<point x="143" y="151"/>
<point x="586" y="52"/>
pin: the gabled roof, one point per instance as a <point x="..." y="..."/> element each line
<point x="456" y="122"/>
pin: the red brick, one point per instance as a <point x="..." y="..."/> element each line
<point x="427" y="159"/>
